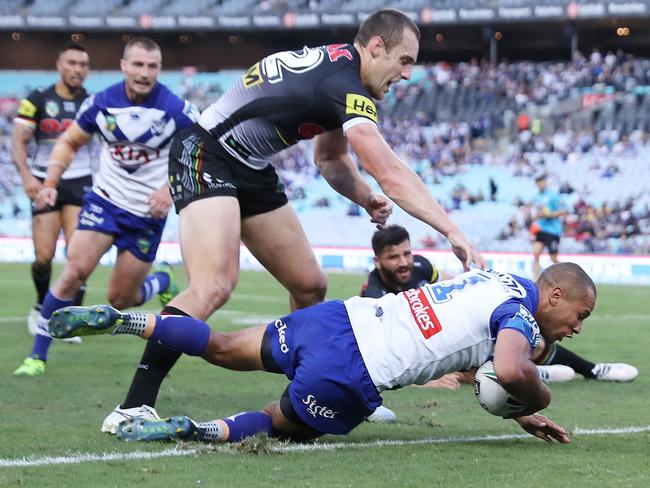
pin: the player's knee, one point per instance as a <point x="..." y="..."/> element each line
<point x="74" y="274"/>
<point x="42" y="262"/>
<point x="311" y="291"/>
<point x="219" y="349"/>
<point x="214" y="294"/>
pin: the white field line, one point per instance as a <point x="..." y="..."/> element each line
<point x="289" y="448"/>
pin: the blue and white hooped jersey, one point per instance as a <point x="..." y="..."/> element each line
<point x="135" y="142"/>
<point x="452" y="325"/>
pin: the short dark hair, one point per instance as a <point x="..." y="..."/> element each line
<point x="389" y="236"/>
<point x="144" y="42"/>
<point x="387" y="23"/>
<point x="75" y="46"/>
<point x="569" y="276"/>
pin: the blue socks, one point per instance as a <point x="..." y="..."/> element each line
<point x="182" y="333"/>
<point x="247" y="424"/>
<point x="153" y="284"/>
<point x="42" y="339"/>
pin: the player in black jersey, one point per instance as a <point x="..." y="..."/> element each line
<point x="396" y="267"/>
<point x="42" y="117"/>
<point x="226" y="190"/>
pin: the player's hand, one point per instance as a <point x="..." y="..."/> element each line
<point x="465" y="251"/>
<point x="379" y="208"/>
<point x="32" y="186"/>
<point x="544" y="428"/>
<point x="449" y="381"/>
<point x="46" y="197"/>
<point x="160" y="203"/>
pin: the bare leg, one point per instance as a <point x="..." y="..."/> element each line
<point x="278" y="241"/>
<point x="538" y="248"/>
<point x="210" y="236"/>
<point x="127" y="277"/>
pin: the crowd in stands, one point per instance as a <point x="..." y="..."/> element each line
<point x="534" y="82"/>
<point x="441" y="145"/>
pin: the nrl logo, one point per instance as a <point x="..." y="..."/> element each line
<point x="111" y="123"/>
<point x="52" y="108"/>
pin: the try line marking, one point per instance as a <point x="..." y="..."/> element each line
<point x="180" y="451"/>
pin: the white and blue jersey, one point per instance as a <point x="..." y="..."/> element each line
<point x="552" y="202"/>
<point x="424" y="333"/>
<point x="135" y="142"/>
<point x="341" y="355"/>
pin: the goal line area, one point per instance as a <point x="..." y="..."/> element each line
<point x="278" y="447"/>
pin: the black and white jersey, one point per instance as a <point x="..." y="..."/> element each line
<point x="49" y="115"/>
<point x="287" y="97"/>
<point x="423" y="272"/>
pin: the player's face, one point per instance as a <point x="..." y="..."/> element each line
<point x="395" y="264"/>
<point x="566" y="316"/>
<point x="141" y="69"/>
<point x="392" y="66"/>
<point x="73" y="67"/>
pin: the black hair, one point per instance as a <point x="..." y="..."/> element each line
<point x="389" y="236"/>
<point x="75" y="46"/>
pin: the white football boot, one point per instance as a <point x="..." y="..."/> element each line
<point x="32" y="318"/>
<point x="119" y="415"/>
<point x="555" y="373"/>
<point x="615" y="372"/>
<point x="382" y="415"/>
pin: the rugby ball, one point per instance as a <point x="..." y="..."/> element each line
<point x="492" y="396"/>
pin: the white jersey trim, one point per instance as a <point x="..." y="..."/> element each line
<point x="28" y="123"/>
<point x="356" y="121"/>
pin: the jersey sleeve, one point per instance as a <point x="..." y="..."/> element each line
<point x="342" y="95"/>
<point x="190" y="115"/>
<point x="28" y="113"/>
<point x="87" y="115"/>
<point x="514" y="315"/>
<point x="426" y="268"/>
<point x="374" y="287"/>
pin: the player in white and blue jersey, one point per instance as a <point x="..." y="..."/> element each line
<point x="128" y="204"/>
<point x="340" y="355"/>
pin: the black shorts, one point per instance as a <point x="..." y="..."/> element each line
<point x="200" y="168"/>
<point x="69" y="192"/>
<point x="550" y="241"/>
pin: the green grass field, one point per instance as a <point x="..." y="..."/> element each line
<point x="443" y="438"/>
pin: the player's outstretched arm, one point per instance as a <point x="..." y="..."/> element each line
<point x="340" y="171"/>
<point x="63" y="153"/>
<point x="407" y="190"/>
<point x="544" y="428"/>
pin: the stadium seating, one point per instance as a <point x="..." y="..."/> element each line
<point x="48" y="7"/>
<point x="455" y="125"/>
<point x="83" y="7"/>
